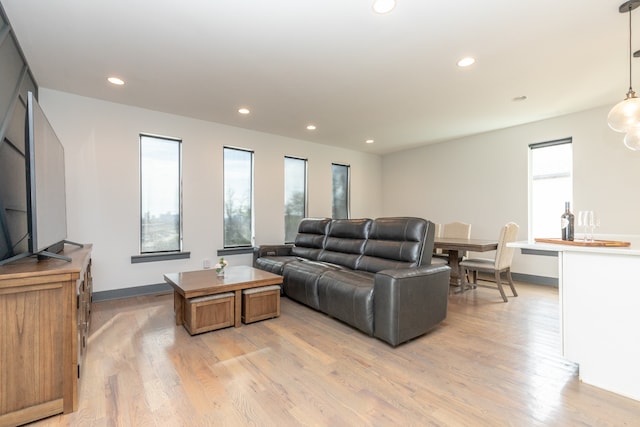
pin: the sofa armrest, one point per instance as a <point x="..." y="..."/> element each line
<point x="271" y="250"/>
<point x="409" y="302"/>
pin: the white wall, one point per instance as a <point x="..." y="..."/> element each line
<point x="483" y="180"/>
<point x="101" y="141"/>
<point x="480" y="179"/>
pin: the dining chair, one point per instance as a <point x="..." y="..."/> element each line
<point x="438" y="230"/>
<point x="501" y="263"/>
<point x="437" y="258"/>
<point x="452" y="230"/>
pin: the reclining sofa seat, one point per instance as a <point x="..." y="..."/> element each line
<point x="308" y="244"/>
<point x="343" y="246"/>
<point x="372" y="274"/>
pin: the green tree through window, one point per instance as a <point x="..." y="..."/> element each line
<point x="238" y="197"/>
<point x="295" y="195"/>
<point x="340" y="180"/>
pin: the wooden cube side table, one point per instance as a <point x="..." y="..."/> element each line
<point x="260" y="303"/>
<point x="209" y="313"/>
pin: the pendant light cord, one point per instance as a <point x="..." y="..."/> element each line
<point x="630" y="49"/>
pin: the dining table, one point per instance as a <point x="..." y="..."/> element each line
<point x="456" y="248"/>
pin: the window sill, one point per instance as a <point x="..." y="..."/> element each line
<point x="164" y="256"/>
<point x="235" y="251"/>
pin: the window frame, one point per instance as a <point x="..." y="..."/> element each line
<point x="552" y="175"/>
<point x="305" y="193"/>
<point x="161" y="254"/>
<point x="347" y="202"/>
<point x="228" y="247"/>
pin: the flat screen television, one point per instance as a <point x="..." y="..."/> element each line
<point x="44" y="181"/>
<point x="14" y="232"/>
<point x="46" y="193"/>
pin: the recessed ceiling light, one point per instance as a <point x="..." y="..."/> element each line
<point x="465" y="62"/>
<point x="383" y="6"/>
<point x="311" y="127"/>
<point x="519" y="98"/>
<point x="115" y="81"/>
<point x="244" y="111"/>
<point x="369" y="141"/>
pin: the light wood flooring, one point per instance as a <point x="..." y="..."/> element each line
<point x="490" y="363"/>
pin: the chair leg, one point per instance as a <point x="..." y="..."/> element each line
<point x="504" y="297"/>
<point x="513" y="288"/>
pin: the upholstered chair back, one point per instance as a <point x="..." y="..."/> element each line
<point x="504" y="254"/>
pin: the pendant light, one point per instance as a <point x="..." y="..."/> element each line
<point x="383" y="6"/>
<point x="626" y="114"/>
<point x="632" y="138"/>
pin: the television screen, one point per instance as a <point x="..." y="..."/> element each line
<point x="13" y="190"/>
<point x="45" y="181"/>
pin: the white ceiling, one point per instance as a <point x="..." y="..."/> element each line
<point x="334" y="63"/>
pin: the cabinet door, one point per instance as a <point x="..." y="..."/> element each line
<point x="32" y="343"/>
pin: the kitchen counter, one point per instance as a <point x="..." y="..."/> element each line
<point x="599" y="289"/>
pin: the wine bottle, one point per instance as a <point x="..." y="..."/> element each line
<point x="566" y="222"/>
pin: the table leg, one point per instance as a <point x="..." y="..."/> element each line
<point x="457" y="273"/>
<point x="238" y="309"/>
<point x="178" y="307"/>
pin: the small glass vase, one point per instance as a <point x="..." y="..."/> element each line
<point x="220" y="272"/>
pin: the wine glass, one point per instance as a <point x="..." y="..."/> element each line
<point x="589" y="224"/>
<point x="594" y="223"/>
<point x="583" y="222"/>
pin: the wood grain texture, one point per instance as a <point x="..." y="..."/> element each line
<point x="258" y="306"/>
<point x="592" y="243"/>
<point x="207" y="314"/>
<point x="191" y="284"/>
<point x="456" y="244"/>
<point x="39" y="335"/>
<point x="199" y="283"/>
<point x="489" y="363"/>
<point x="32" y="343"/>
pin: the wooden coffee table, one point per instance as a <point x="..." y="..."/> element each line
<point x="193" y="284"/>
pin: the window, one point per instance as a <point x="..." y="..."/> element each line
<point x="160" y="195"/>
<point x="551" y="185"/>
<point x="295" y="195"/>
<point x="340" y="180"/>
<point x="238" y="197"/>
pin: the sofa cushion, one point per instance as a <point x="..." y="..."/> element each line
<point x="310" y="238"/>
<point x="274" y="264"/>
<point x="300" y="280"/>
<point x="345" y="242"/>
<point x="394" y="243"/>
<point x="348" y="295"/>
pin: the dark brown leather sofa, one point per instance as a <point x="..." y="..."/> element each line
<point x="375" y="275"/>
